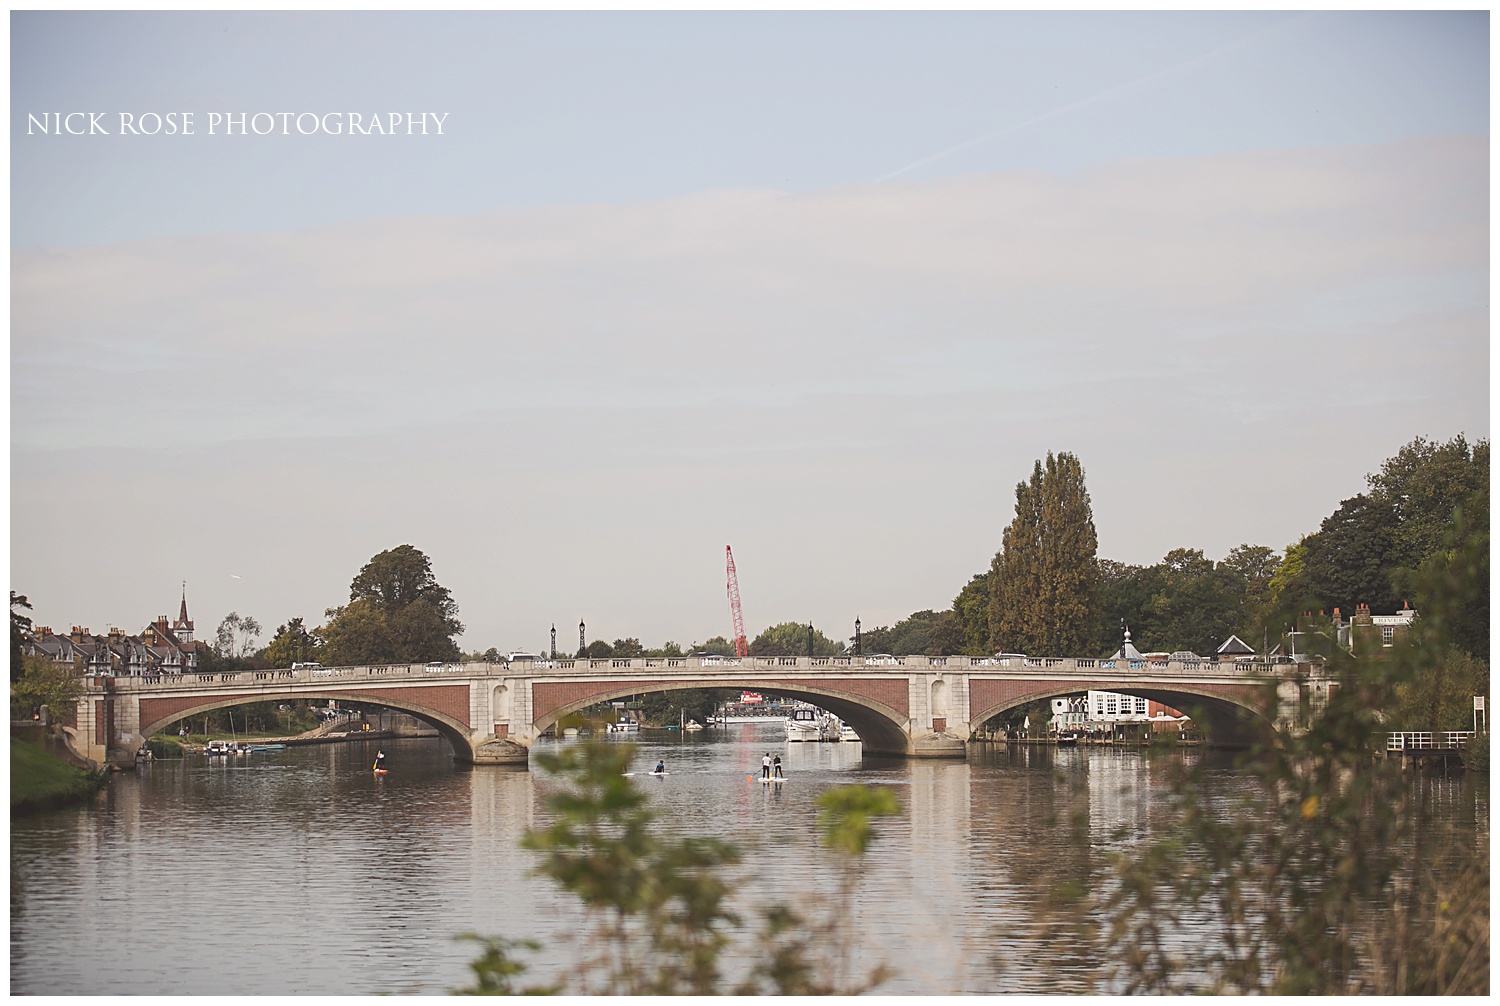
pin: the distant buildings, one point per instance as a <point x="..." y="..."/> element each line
<point x="1105" y="709"/>
<point x="163" y="647"/>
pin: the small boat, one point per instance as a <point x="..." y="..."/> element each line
<point x="847" y="734"/>
<point x="692" y="726"/>
<point x="252" y="748"/>
<point x="804" y="725"/>
<point x="216" y="749"/>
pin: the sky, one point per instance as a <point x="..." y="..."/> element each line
<point x="821" y="287"/>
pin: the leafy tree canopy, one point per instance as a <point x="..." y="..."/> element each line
<point x="236" y="636"/>
<point x="716" y="645"/>
<point x="292" y="644"/>
<point x="971" y="608"/>
<point x="1044" y="581"/>
<point x="20" y="632"/>
<point x="1186" y="601"/>
<point x="1368" y="550"/>
<point x="790" y="639"/>
<point x="397" y="613"/>
<point x="935" y="633"/>
<point x="45" y="682"/>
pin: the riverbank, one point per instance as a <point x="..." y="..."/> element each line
<point x="40" y="780"/>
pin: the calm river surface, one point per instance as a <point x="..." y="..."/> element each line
<point x="298" y="872"/>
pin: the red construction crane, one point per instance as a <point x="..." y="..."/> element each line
<point x="740" y="649"/>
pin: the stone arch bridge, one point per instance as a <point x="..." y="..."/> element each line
<point x="913" y="706"/>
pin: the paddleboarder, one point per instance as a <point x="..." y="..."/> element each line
<point x="765" y="766"/>
<point x="380" y="761"/>
<point x="776" y="768"/>
<point x="661" y="768"/>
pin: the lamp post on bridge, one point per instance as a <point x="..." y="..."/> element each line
<point x="582" y="647"/>
<point x="553" y="654"/>
<point x="856" y="636"/>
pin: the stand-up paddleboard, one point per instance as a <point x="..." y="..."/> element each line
<point x="774" y="778"/>
<point x="630" y="774"/>
<point x="381" y="771"/>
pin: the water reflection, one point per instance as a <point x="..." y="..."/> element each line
<point x="305" y="873"/>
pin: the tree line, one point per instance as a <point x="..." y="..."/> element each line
<point x="1048" y="592"/>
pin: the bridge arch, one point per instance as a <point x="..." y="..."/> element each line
<point x="1233" y="717"/>
<point x="455" y="733"/>
<point x="881" y="728"/>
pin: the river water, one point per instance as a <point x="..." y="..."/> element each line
<point x="300" y="872"/>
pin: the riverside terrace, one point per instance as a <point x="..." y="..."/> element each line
<point x="914" y="706"/>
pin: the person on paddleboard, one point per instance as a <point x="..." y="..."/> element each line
<point x="776" y="768"/>
<point x="765" y="766"/>
<point x="661" y="768"/>
<point x="380" y="761"/>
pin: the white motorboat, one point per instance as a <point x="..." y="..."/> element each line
<point x="846" y="733"/>
<point x="692" y="726"/>
<point x="805" y="724"/>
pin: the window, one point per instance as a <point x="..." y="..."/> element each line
<point x="1387" y="632"/>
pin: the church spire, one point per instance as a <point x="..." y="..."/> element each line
<point x="183" y="627"/>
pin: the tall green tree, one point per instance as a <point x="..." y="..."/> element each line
<point x="1254" y="565"/>
<point x="716" y="645"/>
<point x="1351" y="560"/>
<point x="972" y="610"/>
<point x="790" y="639"/>
<point x="1369" y="550"/>
<point x="293" y="643"/>
<point x="1422" y="486"/>
<point x="397" y="613"/>
<point x="1199" y="605"/>
<point x="1126" y="596"/>
<point x="45" y="682"/>
<point x="935" y="633"/>
<point x="1044" y="581"/>
<point x="236" y="636"/>
<point x="20" y="632"/>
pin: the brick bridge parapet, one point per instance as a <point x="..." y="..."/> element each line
<point x="910" y="706"/>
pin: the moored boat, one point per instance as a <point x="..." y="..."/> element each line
<point x="805" y="724"/>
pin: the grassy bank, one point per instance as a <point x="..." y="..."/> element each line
<point x="39" y="780"/>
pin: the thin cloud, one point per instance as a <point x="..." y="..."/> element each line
<point x="1094" y="99"/>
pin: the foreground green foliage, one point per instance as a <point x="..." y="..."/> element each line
<point x="657" y="911"/>
<point x="1321" y="878"/>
